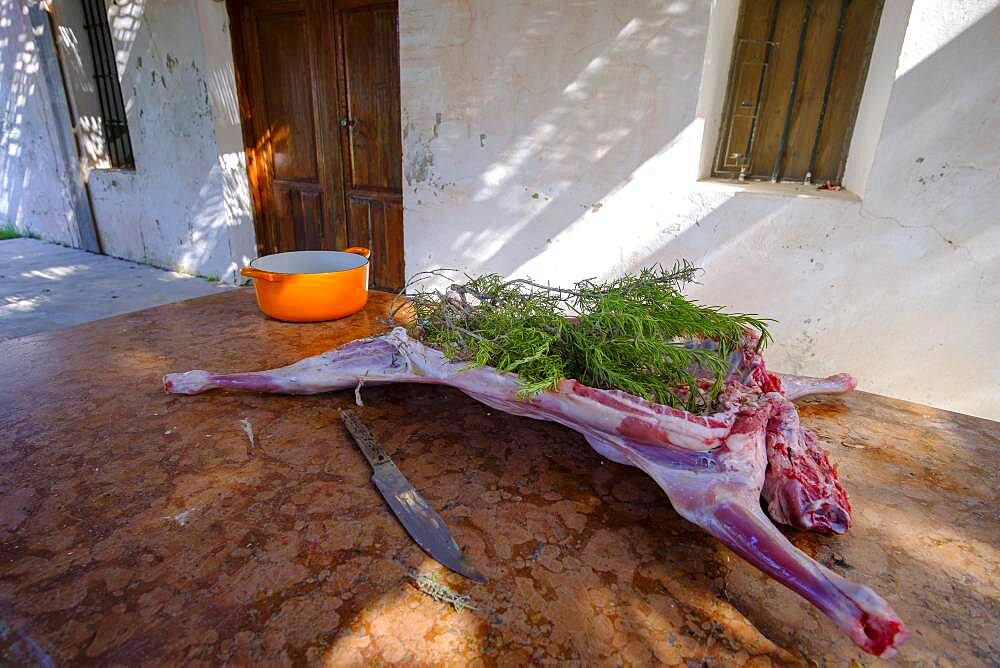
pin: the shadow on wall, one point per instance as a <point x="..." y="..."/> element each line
<point x="600" y="104"/>
<point x="917" y="261"/>
<point x="610" y="116"/>
<point x="40" y="184"/>
<point x="141" y="215"/>
<point x="190" y="175"/>
<point x="175" y="210"/>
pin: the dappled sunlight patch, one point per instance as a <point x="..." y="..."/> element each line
<point x="405" y="624"/>
<point x="19" y="305"/>
<point x="18" y="67"/>
<point x="627" y="208"/>
<point x="55" y="273"/>
<point x="221" y="86"/>
<point x="125" y="18"/>
<point x="568" y="124"/>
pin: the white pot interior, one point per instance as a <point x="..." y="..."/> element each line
<point x="309" y="262"/>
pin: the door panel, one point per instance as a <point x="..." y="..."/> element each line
<point x="376" y="221"/>
<point x="299" y="206"/>
<point x="287" y="95"/>
<point x="371" y="67"/>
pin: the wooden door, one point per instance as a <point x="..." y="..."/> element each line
<point x="287" y="75"/>
<point x="371" y="141"/>
<point x="318" y="84"/>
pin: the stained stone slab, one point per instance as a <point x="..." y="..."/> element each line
<point x="138" y="527"/>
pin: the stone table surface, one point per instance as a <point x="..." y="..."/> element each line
<point x="138" y="527"/>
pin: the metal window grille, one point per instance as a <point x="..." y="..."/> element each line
<point x="109" y="92"/>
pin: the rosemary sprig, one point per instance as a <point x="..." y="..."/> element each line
<point x="430" y="584"/>
<point x="637" y="333"/>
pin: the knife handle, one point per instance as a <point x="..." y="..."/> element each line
<point x="370" y="448"/>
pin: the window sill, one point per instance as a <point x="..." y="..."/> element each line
<point x="779" y="189"/>
<point x="113" y="170"/>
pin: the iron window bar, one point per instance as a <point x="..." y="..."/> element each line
<point x="114" y="123"/>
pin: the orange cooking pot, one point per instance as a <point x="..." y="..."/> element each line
<point x="310" y="286"/>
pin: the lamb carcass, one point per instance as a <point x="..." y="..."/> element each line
<point x="711" y="467"/>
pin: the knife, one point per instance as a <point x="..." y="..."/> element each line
<point x="423" y="524"/>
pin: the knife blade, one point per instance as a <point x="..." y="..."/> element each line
<point x="421" y="521"/>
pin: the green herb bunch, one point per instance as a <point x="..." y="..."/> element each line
<point x="637" y="333"/>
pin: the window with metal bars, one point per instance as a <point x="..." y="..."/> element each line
<point x="796" y="79"/>
<point x="109" y="93"/>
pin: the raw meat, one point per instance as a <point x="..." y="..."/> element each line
<point x="711" y="467"/>
<point x="801" y="487"/>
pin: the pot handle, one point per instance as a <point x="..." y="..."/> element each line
<point x="359" y="250"/>
<point x="254" y="272"/>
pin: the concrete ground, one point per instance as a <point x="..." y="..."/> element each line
<point x="45" y="286"/>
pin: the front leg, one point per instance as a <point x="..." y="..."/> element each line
<point x="374" y="361"/>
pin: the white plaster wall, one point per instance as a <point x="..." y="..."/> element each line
<point x="35" y="182"/>
<point x="186" y="204"/>
<point x="563" y="139"/>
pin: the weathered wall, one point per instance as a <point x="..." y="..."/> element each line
<point x="36" y="181"/>
<point x="181" y="207"/>
<point x="564" y="139"/>
<point x="186" y="206"/>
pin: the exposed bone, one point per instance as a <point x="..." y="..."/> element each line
<point x="802" y="386"/>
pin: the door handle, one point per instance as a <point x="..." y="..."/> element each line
<point x="348" y="122"/>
